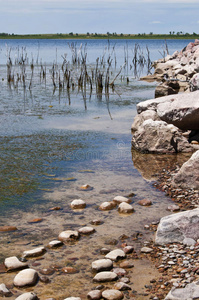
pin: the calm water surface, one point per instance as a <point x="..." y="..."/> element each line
<point x="52" y="142"/>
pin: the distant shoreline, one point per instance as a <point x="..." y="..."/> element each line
<point x="100" y="36"/>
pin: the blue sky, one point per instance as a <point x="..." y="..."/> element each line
<point x="82" y="16"/>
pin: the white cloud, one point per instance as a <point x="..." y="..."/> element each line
<point x="155" y="22"/>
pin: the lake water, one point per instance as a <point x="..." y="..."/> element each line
<point x="53" y="141"/>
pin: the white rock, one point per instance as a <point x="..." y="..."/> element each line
<point x="191" y="291"/>
<point x="107" y="205"/>
<point x="4" y="291"/>
<point x="86" y="230"/>
<point x="94" y="295"/>
<point x="121" y="199"/>
<point x="68" y="235"/>
<point x="26" y="277"/>
<point x="121" y="286"/>
<point x="105" y="276"/>
<point x="34" y="252"/>
<point x="55" y="243"/>
<point x="146" y="250"/>
<point x="115" y="254"/>
<point x="13" y="263"/>
<point x="27" y="296"/>
<point x="125" y="208"/>
<point x="112" y="295"/>
<point x="78" y="204"/>
<point x="189" y="242"/>
<point x="102" y="265"/>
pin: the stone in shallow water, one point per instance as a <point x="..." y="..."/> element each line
<point x="121" y="199"/>
<point x="13" y="263"/>
<point x="116" y="254"/>
<point x="26" y="277"/>
<point x="27" y="296"/>
<point x="94" y="295"/>
<point x="36" y="220"/>
<point x="126" y="264"/>
<point x="78" y="204"/>
<point x="128" y="249"/>
<point x="34" y="252"/>
<point x="121" y="286"/>
<point x="112" y="295"/>
<point x="107" y="205"/>
<point x="146" y="250"/>
<point x="105" y="277"/>
<point x="145" y="202"/>
<point x="54" y="244"/>
<point x="119" y="271"/>
<point x="102" y="265"/>
<point x="173" y="207"/>
<point x="4" y="291"/>
<point x="86" y="230"/>
<point x="68" y="235"/>
<point x="125" y="208"/>
<point x="69" y="270"/>
<point x="8" y="228"/>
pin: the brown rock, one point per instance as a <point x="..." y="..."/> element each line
<point x="36" y="220"/>
<point x="69" y="270"/>
<point x="55" y="208"/>
<point x="8" y="228"/>
<point x="145" y="202"/>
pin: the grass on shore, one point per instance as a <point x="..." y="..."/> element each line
<point x="98" y="36"/>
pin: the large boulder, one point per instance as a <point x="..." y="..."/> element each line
<point x="191" y="291"/>
<point x="177" y="227"/>
<point x="188" y="175"/>
<point x="159" y="137"/>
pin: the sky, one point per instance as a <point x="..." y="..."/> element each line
<point x="99" y="16"/>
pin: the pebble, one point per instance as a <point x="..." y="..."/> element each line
<point x="86" y="187"/>
<point x="4" y="291"/>
<point x="124" y="279"/>
<point x="69" y="270"/>
<point x="145" y="202"/>
<point x="55" y="208"/>
<point x="121" y="199"/>
<point x="36" y="220"/>
<point x="86" y="230"/>
<point x="116" y="254"/>
<point x="27" y="296"/>
<point x="13" y="263"/>
<point x="125" y="208"/>
<point x="78" y="204"/>
<point x="104" y="251"/>
<point x="34" y="252"/>
<point x="26" y="277"/>
<point x="96" y="222"/>
<point x="189" y="242"/>
<point x="47" y="271"/>
<point x="126" y="264"/>
<point x="119" y="271"/>
<point x="102" y="265"/>
<point x="68" y="235"/>
<point x="121" y="286"/>
<point x="146" y="250"/>
<point x="173" y="207"/>
<point x="128" y="249"/>
<point x="112" y="294"/>
<point x="105" y="276"/>
<point x="94" y="295"/>
<point x="54" y="244"/>
<point x="107" y="205"/>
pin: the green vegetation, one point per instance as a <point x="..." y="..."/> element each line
<point x="108" y="35"/>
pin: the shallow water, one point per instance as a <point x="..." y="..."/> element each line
<point x="50" y="145"/>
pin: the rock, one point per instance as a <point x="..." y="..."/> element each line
<point x="121" y="286"/>
<point x="145" y="202"/>
<point x="143" y="116"/>
<point x="159" y="137"/>
<point x="36" y="220"/>
<point x="34" y="252"/>
<point x="55" y="244"/>
<point x="126" y="264"/>
<point x="181" y="110"/>
<point x="120" y="271"/>
<point x="191" y="291"/>
<point x="4" y="291"/>
<point x="94" y="295"/>
<point x="69" y="270"/>
<point x="165" y="89"/>
<point x="187" y="176"/>
<point x="177" y="227"/>
<point x="108" y="205"/>
<point x="121" y="199"/>
<point x="102" y="265"/>
<point x="68" y="235"/>
<point x="173" y="207"/>
<point x="194" y="83"/>
<point x="26" y="277"/>
<point x="13" y="263"/>
<point x="96" y="222"/>
<point x="104" y="251"/>
<point x="78" y="204"/>
<point x="105" y="276"/>
<point x="47" y="271"/>
<point x="115" y="254"/>
<point x="128" y="249"/>
<point x="124" y="280"/>
<point x="8" y="228"/>
<point x="189" y="242"/>
<point x="27" y="296"/>
<point x="125" y="208"/>
<point x="73" y="298"/>
<point x="112" y="295"/>
<point x="86" y="187"/>
<point x="146" y="250"/>
<point x="86" y="230"/>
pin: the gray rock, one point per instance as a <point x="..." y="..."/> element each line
<point x="26" y="277"/>
<point x="102" y="265"/>
<point x="159" y="137"/>
<point x="115" y="254"/>
<point x="187" y="176"/>
<point x="27" y="296"/>
<point x="68" y="235"/>
<point x="105" y="276"/>
<point x="86" y="230"/>
<point x="177" y="227"/>
<point x="189" y="242"/>
<point x="191" y="291"/>
<point x="34" y="252"/>
<point x="143" y="116"/>
<point x="112" y="294"/>
<point x="121" y="199"/>
<point x="13" y="263"/>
